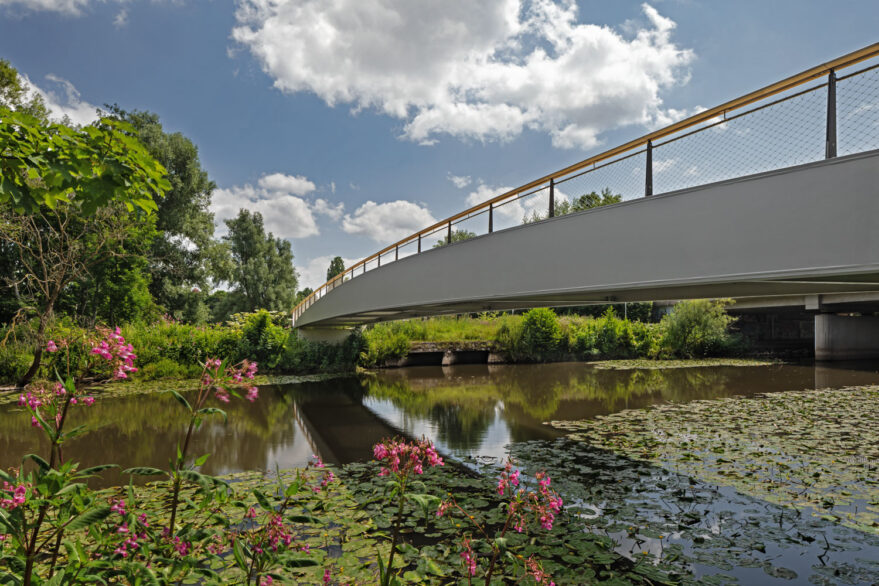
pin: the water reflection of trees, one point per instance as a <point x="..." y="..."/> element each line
<point x="143" y="430"/>
<point x="461" y="402"/>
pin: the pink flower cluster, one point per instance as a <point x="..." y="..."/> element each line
<point x="229" y="380"/>
<point x="468" y="557"/>
<point x="403" y="457"/>
<point x="130" y="535"/>
<point x="533" y="567"/>
<point x="508" y="478"/>
<point x="47" y="401"/>
<point x="277" y="533"/>
<point x="12" y="496"/>
<point x="544" y="504"/>
<point x="113" y="349"/>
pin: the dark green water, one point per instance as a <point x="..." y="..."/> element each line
<point x="480" y="414"/>
<point x="468" y="410"/>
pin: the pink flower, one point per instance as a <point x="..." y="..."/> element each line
<point x="51" y="347"/>
<point x="89" y="401"/>
<point x="252" y="394"/>
<point x="327" y="575"/>
<point x="118" y="506"/>
<point x="267" y="581"/>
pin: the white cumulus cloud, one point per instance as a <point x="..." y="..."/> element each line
<point x="279" y="198"/>
<point x="72" y="7"/>
<point x="515" y="210"/>
<point x="473" y="70"/>
<point x="459" y="181"/>
<point x="387" y="222"/>
<point x="314" y="273"/>
<point x="62" y="99"/>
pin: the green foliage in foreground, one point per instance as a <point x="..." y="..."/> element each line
<point x="169" y="349"/>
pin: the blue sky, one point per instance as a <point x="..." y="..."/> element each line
<point x="308" y="110"/>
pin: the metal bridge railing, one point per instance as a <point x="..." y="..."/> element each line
<point x="813" y="115"/>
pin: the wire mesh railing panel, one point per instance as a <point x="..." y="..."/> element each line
<point x="783" y="134"/>
<point x="515" y="211"/>
<point x="623" y="177"/>
<point x="857" y="114"/>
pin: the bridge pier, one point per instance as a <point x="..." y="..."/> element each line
<point x="843" y="337"/>
<point x="328" y="335"/>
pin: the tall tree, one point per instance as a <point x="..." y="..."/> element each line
<point x="586" y="201"/>
<point x="14" y="94"/>
<point x="337" y="267"/>
<point x="64" y="195"/>
<point x="457" y="236"/>
<point x="184" y="257"/>
<point x="262" y="275"/>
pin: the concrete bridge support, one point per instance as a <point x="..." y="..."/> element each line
<point x="330" y="335"/>
<point x="839" y="337"/>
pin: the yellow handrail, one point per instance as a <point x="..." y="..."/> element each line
<point x="784" y="85"/>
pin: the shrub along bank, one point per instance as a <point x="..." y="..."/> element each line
<point x="168" y="349"/>
<point x="695" y="329"/>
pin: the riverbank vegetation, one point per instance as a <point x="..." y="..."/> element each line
<point x="693" y="329"/>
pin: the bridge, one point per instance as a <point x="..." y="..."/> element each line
<point x="773" y="195"/>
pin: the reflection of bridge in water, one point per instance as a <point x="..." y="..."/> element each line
<point x="336" y="423"/>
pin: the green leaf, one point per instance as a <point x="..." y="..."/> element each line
<point x="95" y="469"/>
<point x="73" y="486"/>
<point x="213" y="411"/>
<point x="181" y="399"/>
<point x="39" y="461"/>
<point x="238" y="553"/>
<point x="144" y="471"/>
<point x="202" y="459"/>
<point x="263" y="500"/>
<point x="300" y="562"/>
<point x="89" y="518"/>
<point x="304" y="519"/>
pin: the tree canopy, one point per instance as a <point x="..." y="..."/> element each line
<point x="337" y="267"/>
<point x="263" y="276"/>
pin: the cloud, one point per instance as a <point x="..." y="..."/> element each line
<point x="71" y="7"/>
<point x="62" y="99"/>
<point x="314" y="273"/>
<point x="387" y="222"/>
<point x="334" y="212"/>
<point x="460" y="182"/>
<point x="513" y="212"/>
<point x="121" y="18"/>
<point x="472" y="70"/>
<point x="278" y="198"/>
<point x="294" y="184"/>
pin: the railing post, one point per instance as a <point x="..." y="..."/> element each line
<point x="551" y="198"/>
<point x="830" y="143"/>
<point x="419" y="244"/>
<point x="490" y="218"/>
<point x="379" y="259"/>
<point x="364" y="268"/>
<point x="396" y="253"/>
<point x="449" y="238"/>
<point x="648" y="177"/>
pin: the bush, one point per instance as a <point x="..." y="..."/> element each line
<point x="697" y="328"/>
<point x="15" y="359"/>
<point x="262" y="340"/>
<point x="541" y="334"/>
<point x="303" y="357"/>
<point x="384" y="342"/>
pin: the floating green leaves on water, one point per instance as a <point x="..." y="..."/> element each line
<point x="694" y="527"/>
<point x="569" y="553"/>
<point x="647" y="364"/>
<point x="811" y="450"/>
